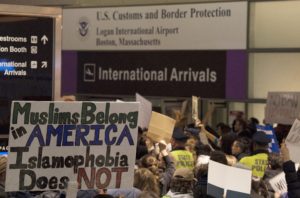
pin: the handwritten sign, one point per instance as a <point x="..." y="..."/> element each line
<point x="282" y="107"/>
<point x="161" y="127"/>
<point x="54" y="143"/>
<point x="278" y="183"/>
<point x="195" y="114"/>
<point x="293" y="141"/>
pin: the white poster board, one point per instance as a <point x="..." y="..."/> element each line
<point x="293" y="141"/>
<point x="228" y="178"/>
<point x="53" y="143"/>
<point x="278" y="183"/>
<point x="144" y="111"/>
<point x="282" y="107"/>
<point x="195" y="113"/>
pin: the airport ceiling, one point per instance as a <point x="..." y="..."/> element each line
<point x="100" y="3"/>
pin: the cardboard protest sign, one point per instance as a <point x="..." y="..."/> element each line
<point x="54" y="143"/>
<point x="144" y="111"/>
<point x="228" y="181"/>
<point x="269" y="131"/>
<point x="293" y="141"/>
<point x="195" y="113"/>
<point x="160" y="127"/>
<point x="282" y="107"/>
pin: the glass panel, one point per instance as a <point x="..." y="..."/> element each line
<point x="235" y="110"/>
<point x="274" y="24"/>
<point x="257" y="111"/>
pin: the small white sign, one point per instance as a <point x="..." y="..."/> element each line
<point x="33" y="64"/>
<point x="165" y="27"/>
<point x="44" y="39"/>
<point x="145" y="111"/>
<point x="293" y="141"/>
<point x="34" y="39"/>
<point x="89" y="74"/>
<point x="228" y="178"/>
<point x="278" y="183"/>
<point x="33" y="49"/>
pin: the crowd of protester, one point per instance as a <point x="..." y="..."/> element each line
<point x="180" y="169"/>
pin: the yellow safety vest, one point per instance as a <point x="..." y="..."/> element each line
<point x="183" y="159"/>
<point x="258" y="163"/>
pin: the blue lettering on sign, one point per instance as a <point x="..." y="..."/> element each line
<point x="77" y="135"/>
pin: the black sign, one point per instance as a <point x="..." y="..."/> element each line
<point x="26" y="55"/>
<point x="153" y="73"/>
<point x="26" y="59"/>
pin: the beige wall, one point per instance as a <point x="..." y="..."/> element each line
<point x="274" y="28"/>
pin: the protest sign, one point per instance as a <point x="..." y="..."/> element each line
<point x="195" y="114"/>
<point x="293" y="141"/>
<point x="184" y="107"/>
<point x="228" y="181"/>
<point x="54" y="143"/>
<point x="282" y="107"/>
<point x="144" y="111"/>
<point x="160" y="127"/>
<point x="278" y="183"/>
<point x="269" y="131"/>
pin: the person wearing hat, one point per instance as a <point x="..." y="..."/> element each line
<point x="181" y="184"/>
<point x="258" y="161"/>
<point x="181" y="157"/>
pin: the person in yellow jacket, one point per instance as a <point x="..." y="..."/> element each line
<point x="181" y="157"/>
<point x="258" y="161"/>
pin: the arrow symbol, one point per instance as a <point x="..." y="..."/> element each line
<point x="44" y="39"/>
<point x="44" y="64"/>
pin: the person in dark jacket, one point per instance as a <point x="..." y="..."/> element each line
<point x="292" y="176"/>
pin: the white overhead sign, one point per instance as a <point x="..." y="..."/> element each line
<point x="188" y="26"/>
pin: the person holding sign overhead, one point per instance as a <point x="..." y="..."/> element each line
<point x="162" y="166"/>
